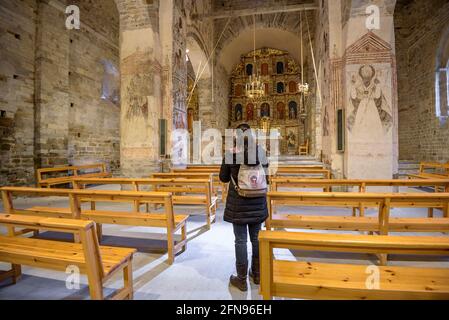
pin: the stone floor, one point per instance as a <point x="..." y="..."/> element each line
<point x="201" y="273"/>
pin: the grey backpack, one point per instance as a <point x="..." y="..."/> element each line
<point x="252" y="181"/>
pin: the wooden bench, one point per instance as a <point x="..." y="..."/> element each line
<point x="319" y="280"/>
<point x="382" y="224"/>
<point x="217" y="167"/>
<point x="99" y="263"/>
<point x="184" y="191"/>
<point x="361" y="185"/>
<point x="437" y="171"/>
<point x="66" y="174"/>
<point x="214" y="177"/>
<point x="297" y="172"/>
<point x="167" y="219"/>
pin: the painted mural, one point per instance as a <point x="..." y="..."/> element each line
<point x="369" y="105"/>
<point x="292" y="139"/>
<point x="136" y="96"/>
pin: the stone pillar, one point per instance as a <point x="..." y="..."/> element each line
<point x="206" y="108"/>
<point x="370" y="95"/>
<point x="51" y="86"/>
<point x="140" y="90"/>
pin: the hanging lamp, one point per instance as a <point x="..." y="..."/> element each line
<point x="303" y="87"/>
<point x="254" y="88"/>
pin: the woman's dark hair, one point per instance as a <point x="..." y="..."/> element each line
<point x="244" y="127"/>
<point x="248" y="140"/>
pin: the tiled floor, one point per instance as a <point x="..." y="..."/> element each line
<point x="201" y="273"/>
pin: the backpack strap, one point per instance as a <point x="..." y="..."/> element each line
<point x="236" y="186"/>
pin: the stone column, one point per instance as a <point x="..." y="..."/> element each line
<point x="370" y="94"/>
<point x="140" y="90"/>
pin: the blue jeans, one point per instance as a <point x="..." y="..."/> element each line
<point x="241" y="239"/>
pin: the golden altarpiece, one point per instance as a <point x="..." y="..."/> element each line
<point x="281" y="107"/>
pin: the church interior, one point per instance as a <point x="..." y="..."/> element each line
<point x="110" y="188"/>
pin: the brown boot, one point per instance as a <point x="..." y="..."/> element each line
<point x="254" y="273"/>
<point x="239" y="281"/>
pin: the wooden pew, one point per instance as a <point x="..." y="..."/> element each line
<point x="184" y="191"/>
<point x="318" y="280"/>
<point x="292" y="171"/>
<point x="438" y="171"/>
<point x="297" y="166"/>
<point x="66" y="174"/>
<point x="99" y="263"/>
<point x="382" y="224"/>
<point x="168" y="220"/>
<point x="214" y="177"/>
<point x="361" y="185"/>
<point x="205" y="167"/>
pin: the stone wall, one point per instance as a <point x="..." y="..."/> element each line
<point x="17" y="64"/>
<point x="419" y="28"/>
<point x="51" y="87"/>
<point x="94" y="121"/>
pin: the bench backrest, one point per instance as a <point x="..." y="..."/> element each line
<point x="362" y="185"/>
<point x="436" y="167"/>
<point x="184" y="175"/>
<point x="175" y="186"/>
<point x="204" y="167"/>
<point x="70" y="170"/>
<point x="270" y="240"/>
<point x="83" y="230"/>
<point x="293" y="171"/>
<point x="383" y="201"/>
<point x="76" y="197"/>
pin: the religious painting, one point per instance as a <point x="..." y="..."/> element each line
<point x="264" y="69"/>
<point x="238" y="112"/>
<point x="280" y="87"/>
<point x="370" y="113"/>
<point x="238" y="90"/>
<point x="265" y="110"/>
<point x="292" y="110"/>
<point x="136" y="96"/>
<point x="292" y="136"/>
<point x="267" y="88"/>
<point x="280" y="67"/>
<point x="280" y="108"/>
<point x="250" y="112"/>
<point x="190" y="117"/>
<point x="249" y="69"/>
<point x="292" y="86"/>
<point x="179" y="120"/>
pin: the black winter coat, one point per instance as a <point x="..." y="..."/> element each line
<point x="241" y="210"/>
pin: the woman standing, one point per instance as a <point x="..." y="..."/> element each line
<point x="245" y="214"/>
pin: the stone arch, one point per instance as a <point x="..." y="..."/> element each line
<point x="198" y="56"/>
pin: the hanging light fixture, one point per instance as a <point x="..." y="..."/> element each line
<point x="255" y="89"/>
<point x="303" y="87"/>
